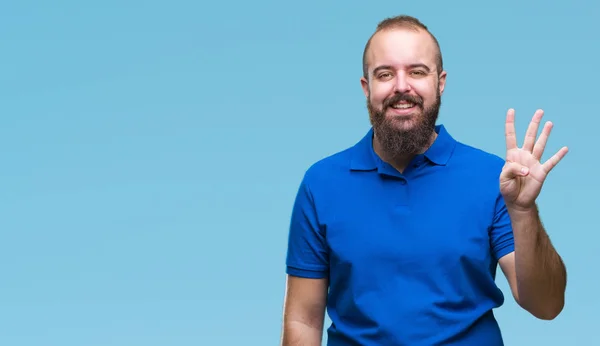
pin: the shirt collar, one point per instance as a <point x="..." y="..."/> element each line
<point x="364" y="158"/>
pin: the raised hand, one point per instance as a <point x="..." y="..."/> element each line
<point x="523" y="174"/>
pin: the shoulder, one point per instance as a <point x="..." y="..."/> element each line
<point x="321" y="181"/>
<point x="476" y="170"/>
<point x="476" y="158"/>
<point x="328" y="168"/>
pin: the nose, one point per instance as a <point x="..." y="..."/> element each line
<point x="402" y="85"/>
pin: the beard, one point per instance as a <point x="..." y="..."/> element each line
<point x="397" y="141"/>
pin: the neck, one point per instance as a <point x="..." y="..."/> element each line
<point x="399" y="160"/>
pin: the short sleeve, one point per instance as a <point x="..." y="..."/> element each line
<point x="307" y="254"/>
<point x="501" y="233"/>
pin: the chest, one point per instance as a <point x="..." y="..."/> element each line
<point x="409" y="228"/>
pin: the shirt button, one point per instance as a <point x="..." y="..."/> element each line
<point x="403" y="182"/>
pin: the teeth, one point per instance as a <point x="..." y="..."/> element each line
<point x="403" y="105"/>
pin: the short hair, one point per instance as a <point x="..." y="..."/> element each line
<point x="402" y="22"/>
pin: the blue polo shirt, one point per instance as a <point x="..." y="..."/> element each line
<point x="411" y="258"/>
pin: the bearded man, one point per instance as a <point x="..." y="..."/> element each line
<point x="398" y="237"/>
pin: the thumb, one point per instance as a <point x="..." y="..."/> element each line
<point x="512" y="170"/>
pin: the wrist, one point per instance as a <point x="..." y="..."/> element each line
<point x="520" y="212"/>
<point x="521" y="208"/>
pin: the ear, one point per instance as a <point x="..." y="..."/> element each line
<point x="365" y="86"/>
<point x="442" y="82"/>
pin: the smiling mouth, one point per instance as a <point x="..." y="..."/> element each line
<point x="403" y="105"/>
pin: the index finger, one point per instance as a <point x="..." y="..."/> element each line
<point x="511" y="136"/>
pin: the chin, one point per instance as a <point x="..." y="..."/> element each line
<point x="404" y="120"/>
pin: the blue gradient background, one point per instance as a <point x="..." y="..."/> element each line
<point x="151" y="152"/>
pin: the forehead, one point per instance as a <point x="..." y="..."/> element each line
<point x="401" y="47"/>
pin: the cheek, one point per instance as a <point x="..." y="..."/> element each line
<point x="427" y="93"/>
<point x="379" y="94"/>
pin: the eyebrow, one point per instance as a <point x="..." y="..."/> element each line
<point x="389" y="67"/>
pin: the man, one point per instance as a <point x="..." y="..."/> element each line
<point x="400" y="235"/>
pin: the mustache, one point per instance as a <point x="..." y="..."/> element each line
<point x="402" y="97"/>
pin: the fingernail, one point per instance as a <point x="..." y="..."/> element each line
<point x="524" y="170"/>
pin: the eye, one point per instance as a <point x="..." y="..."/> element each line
<point x="418" y="73"/>
<point x="384" y="75"/>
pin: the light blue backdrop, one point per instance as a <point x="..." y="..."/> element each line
<point x="151" y="151"/>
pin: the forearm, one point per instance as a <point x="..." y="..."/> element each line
<point x="300" y="334"/>
<point x="541" y="274"/>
